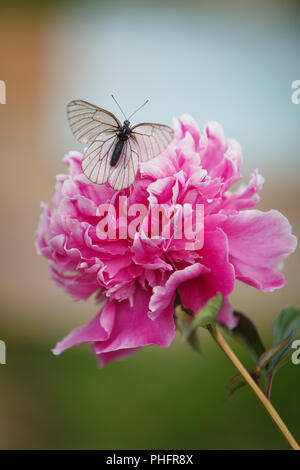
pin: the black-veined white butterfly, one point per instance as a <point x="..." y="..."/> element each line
<point x="114" y="150"/>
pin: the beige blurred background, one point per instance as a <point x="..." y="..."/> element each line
<point x="50" y="53"/>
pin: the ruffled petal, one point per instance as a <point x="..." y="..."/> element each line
<point x="258" y="238"/>
<point x="134" y="329"/>
<point x="164" y="295"/>
<point x="93" y="331"/>
<point x="196" y="292"/>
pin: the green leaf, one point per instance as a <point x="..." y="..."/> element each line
<point x="194" y="341"/>
<point x="234" y="384"/>
<point x="208" y="315"/>
<point x="283" y="359"/>
<point x="247" y="334"/>
<point x="269" y="354"/>
<point x="183" y="322"/>
<point x="187" y="322"/>
<point x="286" y="325"/>
<point x="287" y="322"/>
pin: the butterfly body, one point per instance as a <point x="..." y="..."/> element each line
<point x="123" y="135"/>
<point x="124" y="131"/>
<point x="114" y="150"/>
<point x="117" y="152"/>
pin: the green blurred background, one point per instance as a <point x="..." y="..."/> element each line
<point x="228" y="61"/>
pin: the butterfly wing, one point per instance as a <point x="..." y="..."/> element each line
<point x="89" y="122"/>
<point x="96" y="159"/>
<point x="152" y="139"/>
<point x="96" y="163"/>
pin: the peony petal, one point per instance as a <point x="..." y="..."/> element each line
<point x="119" y="354"/>
<point x="245" y="197"/>
<point x="134" y="329"/>
<point x="214" y="147"/>
<point x="93" y="331"/>
<point x="120" y="329"/>
<point x="164" y="295"/>
<point x="262" y="278"/>
<point x="73" y="161"/>
<point x="221" y="276"/>
<point x="259" y="238"/>
<point x="43" y="231"/>
<point x="186" y="124"/>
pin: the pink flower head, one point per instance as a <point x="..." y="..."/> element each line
<point x="135" y="278"/>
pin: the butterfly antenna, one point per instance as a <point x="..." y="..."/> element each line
<point x="118" y="106"/>
<point x="138" y="109"/>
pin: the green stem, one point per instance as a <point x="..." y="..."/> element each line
<point x="218" y="338"/>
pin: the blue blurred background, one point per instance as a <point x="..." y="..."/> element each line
<point x="233" y="62"/>
<point x="229" y="62"/>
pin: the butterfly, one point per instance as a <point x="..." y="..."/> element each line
<point x="114" y="150"/>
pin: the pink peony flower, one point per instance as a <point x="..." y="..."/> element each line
<point x="135" y="279"/>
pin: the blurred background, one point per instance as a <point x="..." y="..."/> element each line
<point x="233" y="62"/>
